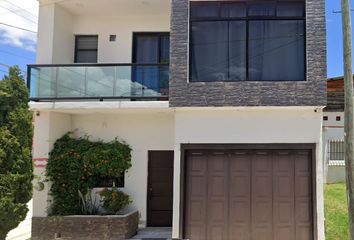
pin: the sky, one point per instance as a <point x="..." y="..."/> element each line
<point x="18" y="47"/>
<point x="334" y="37"/>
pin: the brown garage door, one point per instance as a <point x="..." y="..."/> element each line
<point x="248" y="195"/>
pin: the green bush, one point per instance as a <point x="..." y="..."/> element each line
<point x="114" y="200"/>
<point x="77" y="165"/>
<point x="16" y="171"/>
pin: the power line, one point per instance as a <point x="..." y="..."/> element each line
<point x="4" y="71"/>
<point x="16" y="55"/>
<point x="333" y="11"/>
<point x="14" y="12"/>
<point x="5" y="65"/>
<point x="21" y="8"/>
<point x="8" y="66"/>
<point x="20" y="28"/>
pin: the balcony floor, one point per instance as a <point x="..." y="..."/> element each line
<point x="85" y="107"/>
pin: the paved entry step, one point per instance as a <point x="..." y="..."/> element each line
<point x="154" y="233"/>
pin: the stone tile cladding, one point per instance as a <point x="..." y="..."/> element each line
<point x="85" y="227"/>
<point x="311" y="92"/>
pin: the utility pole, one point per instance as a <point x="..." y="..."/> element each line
<point x="348" y="112"/>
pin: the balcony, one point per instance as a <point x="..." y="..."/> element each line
<point x="134" y="82"/>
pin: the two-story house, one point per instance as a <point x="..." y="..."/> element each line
<point x="221" y="102"/>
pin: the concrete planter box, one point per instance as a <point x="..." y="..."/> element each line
<point x="114" y="227"/>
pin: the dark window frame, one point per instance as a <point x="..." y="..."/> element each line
<point x="155" y="34"/>
<point x="83" y="50"/>
<point x="246" y="19"/>
<point x="107" y="182"/>
<point x="134" y="56"/>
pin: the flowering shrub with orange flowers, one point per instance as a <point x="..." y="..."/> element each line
<point x="114" y="200"/>
<point x="78" y="164"/>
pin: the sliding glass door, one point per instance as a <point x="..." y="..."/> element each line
<point x="154" y="49"/>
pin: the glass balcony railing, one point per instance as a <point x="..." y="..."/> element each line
<point x="98" y="81"/>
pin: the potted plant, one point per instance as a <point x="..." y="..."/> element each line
<point x="113" y="200"/>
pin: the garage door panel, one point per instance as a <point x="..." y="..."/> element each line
<point x="197" y="163"/>
<point x="283" y="213"/>
<point x="241" y="210"/>
<point x="303" y="196"/>
<point x="302" y="164"/>
<point x="249" y="194"/>
<point x="239" y="232"/>
<point x="283" y="195"/>
<point x="217" y="195"/>
<point x="303" y="215"/>
<point x="217" y="186"/>
<point x="240" y="177"/>
<point x="217" y="232"/>
<point x="262" y="233"/>
<point x="284" y="187"/>
<point x="217" y="162"/>
<point x="197" y="186"/>
<point x="262" y="163"/>
<point x="196" y="232"/>
<point x="262" y="188"/>
<point x="197" y="211"/>
<point x="217" y="210"/>
<point x="262" y="212"/>
<point x="240" y="187"/>
<point x="303" y="188"/>
<point x="196" y="207"/>
<point x="284" y="233"/>
<point x="240" y="196"/>
<point x="304" y="233"/>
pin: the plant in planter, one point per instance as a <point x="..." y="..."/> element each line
<point x="88" y="163"/>
<point x="89" y="204"/>
<point x="114" y="200"/>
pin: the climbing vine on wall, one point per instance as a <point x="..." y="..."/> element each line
<point x="77" y="164"/>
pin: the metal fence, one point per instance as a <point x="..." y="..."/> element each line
<point x="335" y="152"/>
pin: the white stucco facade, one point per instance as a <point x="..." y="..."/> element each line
<point x="143" y="130"/>
<point x="150" y="125"/>
<point x="333" y="127"/>
<point x="167" y="128"/>
<point x="249" y="126"/>
<point x="59" y="23"/>
<point x="333" y="130"/>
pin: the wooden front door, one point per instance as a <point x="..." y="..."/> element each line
<point x="160" y="189"/>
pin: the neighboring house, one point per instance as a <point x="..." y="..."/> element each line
<point x="226" y="95"/>
<point x="333" y="132"/>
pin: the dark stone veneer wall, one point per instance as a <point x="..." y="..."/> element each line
<point x="312" y="92"/>
<point x="85" y="227"/>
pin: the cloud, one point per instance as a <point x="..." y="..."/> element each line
<point x="20" y="13"/>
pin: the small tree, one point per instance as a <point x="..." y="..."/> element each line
<point x="16" y="170"/>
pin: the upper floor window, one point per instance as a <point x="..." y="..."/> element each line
<point x="86" y="49"/>
<point x="247" y="41"/>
